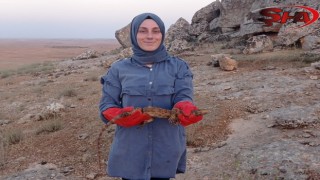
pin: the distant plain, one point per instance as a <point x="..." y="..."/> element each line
<point x="16" y="53"/>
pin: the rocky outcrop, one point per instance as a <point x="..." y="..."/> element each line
<point x="178" y="37"/>
<point x="256" y="44"/>
<point x="310" y="42"/>
<point x="235" y="19"/>
<point x="290" y="34"/>
<point x="233" y="13"/>
<point x="294" y="117"/>
<point x="238" y="18"/>
<point x="127" y="52"/>
<point x="316" y="65"/>
<point x="89" y="54"/>
<point x="123" y="36"/>
<point x="202" y="18"/>
<point x="38" y="171"/>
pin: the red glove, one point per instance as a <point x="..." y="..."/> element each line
<point x="126" y="117"/>
<point x="187" y="116"/>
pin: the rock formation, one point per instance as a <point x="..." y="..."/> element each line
<point x="123" y="36"/>
<point x="220" y="21"/>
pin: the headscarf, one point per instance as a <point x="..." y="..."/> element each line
<point x="147" y="57"/>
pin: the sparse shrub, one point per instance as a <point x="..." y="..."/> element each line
<point x="49" y="127"/>
<point x="45" y="67"/>
<point x="68" y="92"/>
<point x="38" y="90"/>
<point x="2" y="150"/>
<point x="14" y="136"/>
<point x="5" y="74"/>
<point x="91" y="77"/>
<point x="192" y="139"/>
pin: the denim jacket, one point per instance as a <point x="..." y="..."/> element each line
<point x="156" y="149"/>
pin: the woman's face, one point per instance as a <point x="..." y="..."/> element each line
<point x="149" y="35"/>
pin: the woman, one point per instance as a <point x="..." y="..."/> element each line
<point x="151" y="77"/>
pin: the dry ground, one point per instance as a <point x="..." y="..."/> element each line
<point x="79" y="92"/>
<point x="16" y="53"/>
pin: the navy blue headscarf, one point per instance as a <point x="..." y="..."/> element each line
<point x="146" y="57"/>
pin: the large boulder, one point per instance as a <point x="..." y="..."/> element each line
<point x="310" y="42"/>
<point x="256" y="44"/>
<point x="228" y="64"/>
<point x="290" y="34"/>
<point x="202" y="18"/>
<point x="123" y="36"/>
<point x="224" y="61"/>
<point x="125" y="53"/>
<point x="234" y="19"/>
<point x="177" y="37"/>
<point x="180" y="45"/>
<point x="179" y="30"/>
<point x="207" y="13"/>
<point x="233" y="13"/>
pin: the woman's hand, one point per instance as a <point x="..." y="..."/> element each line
<point x="187" y="116"/>
<point x="126" y="117"/>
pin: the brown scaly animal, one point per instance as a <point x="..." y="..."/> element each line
<point x="154" y="112"/>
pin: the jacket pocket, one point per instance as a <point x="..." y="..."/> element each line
<point x="134" y="96"/>
<point x="164" y="90"/>
<point x="133" y="91"/>
<point x="163" y="97"/>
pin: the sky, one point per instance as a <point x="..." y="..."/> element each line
<point x="85" y="19"/>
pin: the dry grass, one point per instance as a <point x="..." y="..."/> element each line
<point x="67" y="92"/>
<point x="2" y="150"/>
<point x="49" y="127"/>
<point x="289" y="55"/>
<point x="91" y="77"/>
<point x="13" y="136"/>
<point x="45" y="67"/>
<point x="6" y="73"/>
<point x="33" y="69"/>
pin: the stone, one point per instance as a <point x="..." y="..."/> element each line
<point x="207" y="13"/>
<point x="294" y="117"/>
<point x="55" y="107"/>
<point x="179" y="46"/>
<point x="202" y="18"/>
<point x="125" y="53"/>
<point x="289" y="34"/>
<point x="310" y="42"/>
<point x="179" y="30"/>
<point x="257" y="44"/>
<point x="4" y="122"/>
<point x="177" y="37"/>
<point x="91" y="176"/>
<point x="123" y="36"/>
<point x="316" y="65"/>
<point x="224" y="61"/>
<point x="89" y="54"/>
<point x="233" y="13"/>
<point x="228" y="64"/>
